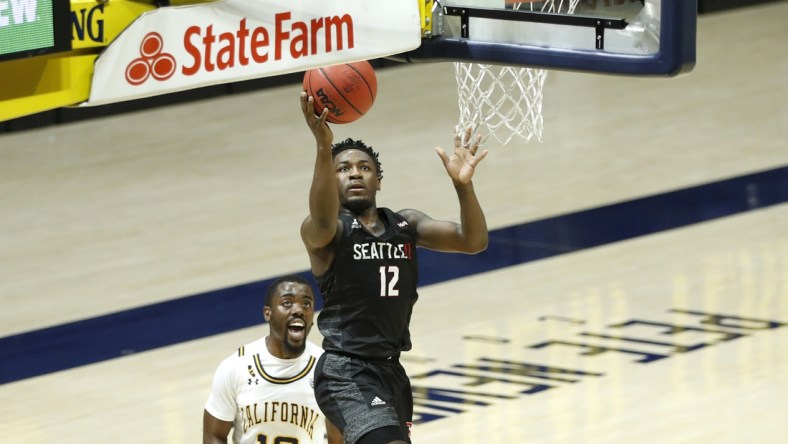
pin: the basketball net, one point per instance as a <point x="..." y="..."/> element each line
<point x="505" y="101"/>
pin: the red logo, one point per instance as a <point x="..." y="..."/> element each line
<point x="153" y="62"/>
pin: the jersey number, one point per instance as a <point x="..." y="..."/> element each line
<point x="262" y="439"/>
<point x="389" y="276"/>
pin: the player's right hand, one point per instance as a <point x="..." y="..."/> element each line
<point x="317" y="124"/>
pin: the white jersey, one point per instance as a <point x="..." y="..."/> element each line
<point x="269" y="400"/>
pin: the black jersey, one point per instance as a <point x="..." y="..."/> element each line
<point x="369" y="289"/>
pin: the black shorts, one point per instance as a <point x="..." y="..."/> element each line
<point x="359" y="396"/>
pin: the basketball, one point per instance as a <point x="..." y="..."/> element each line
<point x="347" y="90"/>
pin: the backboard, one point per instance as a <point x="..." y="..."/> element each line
<point x="622" y="37"/>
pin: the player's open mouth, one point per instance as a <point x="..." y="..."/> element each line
<point x="296" y="328"/>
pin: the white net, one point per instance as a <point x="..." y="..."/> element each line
<point x="505" y="101"/>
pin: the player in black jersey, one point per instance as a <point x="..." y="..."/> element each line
<point x="364" y="260"/>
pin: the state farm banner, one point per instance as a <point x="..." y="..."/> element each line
<point x="178" y="48"/>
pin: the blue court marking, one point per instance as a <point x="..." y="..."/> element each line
<point x="188" y="318"/>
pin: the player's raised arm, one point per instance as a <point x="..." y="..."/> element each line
<point x="470" y="235"/>
<point x="320" y="225"/>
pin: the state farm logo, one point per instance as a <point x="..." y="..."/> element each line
<point x="152" y="61"/>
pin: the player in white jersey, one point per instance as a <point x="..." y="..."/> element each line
<point x="264" y="392"/>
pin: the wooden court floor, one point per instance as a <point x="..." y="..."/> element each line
<point x="678" y="336"/>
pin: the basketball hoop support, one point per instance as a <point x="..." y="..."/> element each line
<point x="674" y="24"/>
<point x="600" y="24"/>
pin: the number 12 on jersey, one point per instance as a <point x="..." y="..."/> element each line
<point x="389" y="276"/>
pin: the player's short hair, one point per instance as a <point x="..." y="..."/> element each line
<point x="350" y="144"/>
<point x="297" y="278"/>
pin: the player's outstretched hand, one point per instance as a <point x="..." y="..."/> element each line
<point x="462" y="163"/>
<point x="322" y="132"/>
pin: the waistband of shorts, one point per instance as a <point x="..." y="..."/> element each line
<point x="393" y="359"/>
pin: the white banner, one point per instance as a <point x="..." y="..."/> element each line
<point x="178" y="48"/>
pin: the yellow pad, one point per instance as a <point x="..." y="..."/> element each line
<point x="425" y="11"/>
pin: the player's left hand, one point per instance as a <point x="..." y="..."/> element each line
<point x="462" y="163"/>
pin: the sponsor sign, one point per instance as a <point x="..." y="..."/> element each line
<point x="179" y="48"/>
<point x="33" y="27"/>
<point x="95" y="24"/>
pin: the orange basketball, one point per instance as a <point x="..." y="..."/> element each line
<point x="347" y="90"/>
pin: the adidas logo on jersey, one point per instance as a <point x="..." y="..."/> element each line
<point x="402" y="224"/>
<point x="355" y="225"/>
<point x="377" y="401"/>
